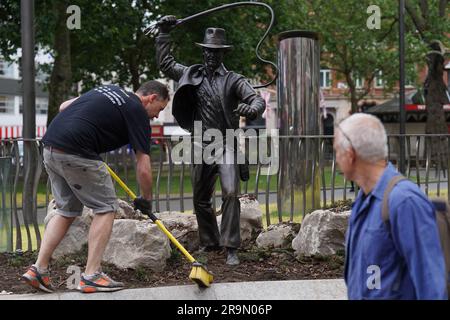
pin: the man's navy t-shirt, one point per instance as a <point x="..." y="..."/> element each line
<point x="101" y="120"/>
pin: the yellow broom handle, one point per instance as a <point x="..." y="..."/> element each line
<point x="175" y="241"/>
<point x="158" y="223"/>
<point x="119" y="181"/>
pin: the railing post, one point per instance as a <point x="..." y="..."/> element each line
<point x="6" y="239"/>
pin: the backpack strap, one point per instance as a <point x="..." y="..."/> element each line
<point x="385" y="205"/>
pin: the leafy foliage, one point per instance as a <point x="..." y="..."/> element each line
<point x="111" y="46"/>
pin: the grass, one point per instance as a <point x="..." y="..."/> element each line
<point x="174" y="187"/>
<point x="41" y="194"/>
<point x="40" y="199"/>
<point x="175" y="182"/>
<point x="443" y="194"/>
<point x="18" y="260"/>
<point x="25" y="237"/>
<point x="274" y="218"/>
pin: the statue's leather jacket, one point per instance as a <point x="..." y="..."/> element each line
<point x="234" y="88"/>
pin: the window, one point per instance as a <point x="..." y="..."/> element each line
<point x="6" y="69"/>
<point x="379" y="82"/>
<point x="2" y="68"/>
<point x="359" y="82"/>
<point x="41" y="105"/>
<point x="325" y="78"/>
<point x="6" y="104"/>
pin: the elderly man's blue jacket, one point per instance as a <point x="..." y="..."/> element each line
<point x="405" y="262"/>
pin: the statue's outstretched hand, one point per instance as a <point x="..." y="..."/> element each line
<point x="246" y="111"/>
<point x="167" y="23"/>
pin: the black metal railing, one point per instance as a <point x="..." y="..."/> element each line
<point x="426" y="157"/>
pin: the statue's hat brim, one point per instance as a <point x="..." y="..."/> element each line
<point x="214" y="46"/>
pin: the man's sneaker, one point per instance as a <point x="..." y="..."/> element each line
<point x="100" y="282"/>
<point x="40" y="281"/>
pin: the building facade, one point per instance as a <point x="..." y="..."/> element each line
<point x="336" y="103"/>
<point x="11" y="110"/>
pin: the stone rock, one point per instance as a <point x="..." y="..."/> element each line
<point x="322" y="233"/>
<point x="136" y="243"/>
<point x="77" y="235"/>
<point x="129" y="250"/>
<point x="51" y="212"/>
<point x="183" y="227"/>
<point x="126" y="211"/>
<point x="251" y="220"/>
<point x="278" y="236"/>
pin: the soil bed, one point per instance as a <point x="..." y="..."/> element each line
<point x="256" y="265"/>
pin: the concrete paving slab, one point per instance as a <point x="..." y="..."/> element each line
<point x="333" y="289"/>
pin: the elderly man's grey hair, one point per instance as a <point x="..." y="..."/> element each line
<point x="366" y="135"/>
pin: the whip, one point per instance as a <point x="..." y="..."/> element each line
<point x="153" y="28"/>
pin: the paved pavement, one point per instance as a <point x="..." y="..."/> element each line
<point x="333" y="289"/>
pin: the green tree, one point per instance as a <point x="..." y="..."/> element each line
<point x="60" y="82"/>
<point x="431" y="22"/>
<point x="351" y="48"/>
<point x="244" y="28"/>
<point x="110" y="46"/>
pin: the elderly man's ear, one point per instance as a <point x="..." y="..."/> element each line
<point x="352" y="155"/>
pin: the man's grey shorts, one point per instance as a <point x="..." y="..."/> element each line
<point x="77" y="181"/>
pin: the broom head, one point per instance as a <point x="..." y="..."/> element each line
<point x="200" y="275"/>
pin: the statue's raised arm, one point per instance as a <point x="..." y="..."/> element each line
<point x="166" y="62"/>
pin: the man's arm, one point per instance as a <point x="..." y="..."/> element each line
<point x="144" y="174"/>
<point x="415" y="234"/>
<point x="65" y="104"/>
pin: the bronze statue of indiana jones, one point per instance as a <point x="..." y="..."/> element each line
<point x="217" y="97"/>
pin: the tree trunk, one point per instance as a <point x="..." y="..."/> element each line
<point x="354" y="101"/>
<point x="61" y="76"/>
<point x="135" y="81"/>
<point x="353" y="95"/>
<point x="135" y="76"/>
<point x="435" y="98"/>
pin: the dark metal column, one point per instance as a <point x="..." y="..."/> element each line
<point x="28" y="71"/>
<point x="32" y="160"/>
<point x="402" y="114"/>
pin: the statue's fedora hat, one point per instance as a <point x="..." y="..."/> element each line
<point x="214" y="39"/>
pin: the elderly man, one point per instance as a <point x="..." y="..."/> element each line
<point x="210" y="94"/>
<point x="401" y="259"/>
